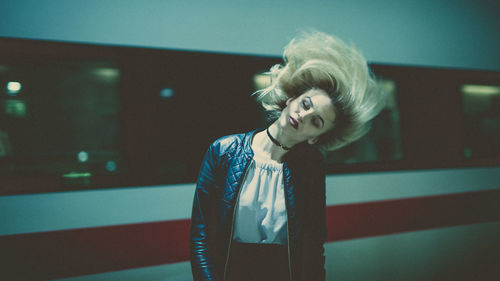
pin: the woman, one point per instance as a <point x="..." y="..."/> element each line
<point x="259" y="204"/>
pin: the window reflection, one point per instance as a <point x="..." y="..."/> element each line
<point x="51" y="111"/>
<point x="481" y="111"/>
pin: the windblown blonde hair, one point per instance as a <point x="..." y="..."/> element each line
<point x="315" y="60"/>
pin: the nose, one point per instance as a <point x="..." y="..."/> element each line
<point x="304" y="114"/>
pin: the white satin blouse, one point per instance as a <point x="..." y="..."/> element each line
<point x="260" y="211"/>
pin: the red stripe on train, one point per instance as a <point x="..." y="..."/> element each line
<point x="66" y="253"/>
<point x="352" y="221"/>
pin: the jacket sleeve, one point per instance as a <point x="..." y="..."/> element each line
<point x="201" y="242"/>
<point x="316" y="232"/>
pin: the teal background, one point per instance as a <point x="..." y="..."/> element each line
<point x="442" y="33"/>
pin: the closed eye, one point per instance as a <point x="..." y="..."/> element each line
<point x="318" y="118"/>
<point x="305" y="104"/>
<point x="316" y="122"/>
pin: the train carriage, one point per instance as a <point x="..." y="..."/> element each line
<point x="94" y="185"/>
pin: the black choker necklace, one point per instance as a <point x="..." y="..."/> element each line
<point x="276" y="142"/>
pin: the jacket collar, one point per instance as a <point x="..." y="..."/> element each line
<point x="247" y="142"/>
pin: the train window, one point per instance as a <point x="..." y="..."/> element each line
<point x="382" y="142"/>
<point x="58" y="118"/>
<point x="481" y="112"/>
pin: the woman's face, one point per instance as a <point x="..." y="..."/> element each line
<point x="308" y="116"/>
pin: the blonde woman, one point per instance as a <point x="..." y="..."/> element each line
<point x="259" y="205"/>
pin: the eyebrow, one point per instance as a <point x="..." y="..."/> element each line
<point x="312" y="105"/>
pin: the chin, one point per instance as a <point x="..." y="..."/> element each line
<point x="283" y="122"/>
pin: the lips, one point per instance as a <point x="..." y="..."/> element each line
<point x="294" y="123"/>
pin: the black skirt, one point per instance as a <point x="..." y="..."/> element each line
<point x="258" y="262"/>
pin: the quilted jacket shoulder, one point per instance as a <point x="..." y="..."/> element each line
<point x="225" y="144"/>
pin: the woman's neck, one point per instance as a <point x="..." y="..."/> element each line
<point x="263" y="146"/>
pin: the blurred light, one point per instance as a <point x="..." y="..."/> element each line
<point x="111" y="166"/>
<point x="15" y="108"/>
<point x="3" y="68"/>
<point x="75" y="175"/>
<point x="13" y="88"/>
<point x="261" y="81"/>
<point x="167" y="93"/>
<point x="481" y="90"/>
<point x="83" y="156"/>
<point x="107" y="74"/>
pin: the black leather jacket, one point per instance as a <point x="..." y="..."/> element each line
<point x="220" y="177"/>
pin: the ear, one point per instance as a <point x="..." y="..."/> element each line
<point x="312" y="141"/>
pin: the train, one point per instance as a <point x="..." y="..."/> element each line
<point x="100" y="147"/>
